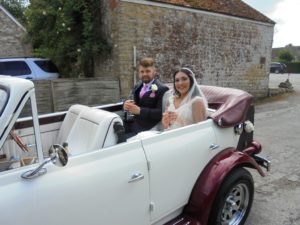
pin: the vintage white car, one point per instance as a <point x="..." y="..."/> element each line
<point x="190" y="175"/>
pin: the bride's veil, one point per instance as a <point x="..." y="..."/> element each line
<point x="195" y="90"/>
<point x="165" y="101"/>
<point x="193" y="94"/>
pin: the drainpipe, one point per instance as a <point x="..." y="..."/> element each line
<point x="134" y="65"/>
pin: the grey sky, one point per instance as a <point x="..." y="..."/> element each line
<point x="286" y="15"/>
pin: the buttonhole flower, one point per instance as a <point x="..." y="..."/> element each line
<point x="154" y="88"/>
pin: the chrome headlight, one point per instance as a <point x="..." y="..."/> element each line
<point x="247" y="126"/>
<point x="238" y="129"/>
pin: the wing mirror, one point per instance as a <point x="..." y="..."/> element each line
<point x="58" y="157"/>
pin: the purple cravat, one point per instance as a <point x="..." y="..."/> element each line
<point x="143" y="90"/>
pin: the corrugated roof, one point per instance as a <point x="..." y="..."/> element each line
<point x="236" y="8"/>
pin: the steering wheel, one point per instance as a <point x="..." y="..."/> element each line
<point x="19" y="141"/>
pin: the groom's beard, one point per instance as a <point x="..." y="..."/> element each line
<point x="146" y="79"/>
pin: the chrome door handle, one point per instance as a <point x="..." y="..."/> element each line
<point x="136" y="177"/>
<point x="213" y="146"/>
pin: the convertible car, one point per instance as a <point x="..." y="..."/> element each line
<point x="75" y="167"/>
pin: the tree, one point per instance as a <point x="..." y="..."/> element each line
<point x="68" y="32"/>
<point x="16" y="8"/>
<point x="285" y="56"/>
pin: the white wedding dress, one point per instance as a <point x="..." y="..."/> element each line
<point x="184" y="112"/>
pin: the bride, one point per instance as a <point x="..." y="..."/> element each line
<point x="186" y="104"/>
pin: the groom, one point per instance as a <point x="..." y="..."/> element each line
<point x="147" y="105"/>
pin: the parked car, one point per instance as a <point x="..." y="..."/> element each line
<point x="29" y="68"/>
<point x="277" y="67"/>
<point x="191" y="175"/>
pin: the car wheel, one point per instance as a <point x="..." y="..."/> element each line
<point x="234" y="199"/>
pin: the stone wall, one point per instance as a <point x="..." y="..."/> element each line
<point x="59" y="94"/>
<point x="222" y="50"/>
<point x="11" y="38"/>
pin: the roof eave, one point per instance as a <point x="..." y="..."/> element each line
<point x="268" y="20"/>
<point x="12" y="18"/>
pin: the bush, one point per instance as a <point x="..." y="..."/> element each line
<point x="285" y="56"/>
<point x="68" y="32"/>
<point x="293" y="67"/>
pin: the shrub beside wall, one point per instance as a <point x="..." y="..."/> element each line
<point x="293" y="67"/>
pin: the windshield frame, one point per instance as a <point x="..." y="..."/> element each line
<point x="3" y="103"/>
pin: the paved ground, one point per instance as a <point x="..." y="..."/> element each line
<point x="277" y="127"/>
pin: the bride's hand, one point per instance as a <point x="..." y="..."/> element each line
<point x="172" y="116"/>
<point x="165" y="120"/>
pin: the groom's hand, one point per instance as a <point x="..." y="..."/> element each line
<point x="131" y="107"/>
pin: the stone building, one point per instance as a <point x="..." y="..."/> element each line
<point x="12" y="36"/>
<point x="226" y="42"/>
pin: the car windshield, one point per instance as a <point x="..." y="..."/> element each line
<point x="47" y="66"/>
<point x="3" y="100"/>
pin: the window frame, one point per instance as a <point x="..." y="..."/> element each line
<point x="40" y="64"/>
<point x="24" y="71"/>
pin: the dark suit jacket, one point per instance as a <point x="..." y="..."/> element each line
<point x="151" y="107"/>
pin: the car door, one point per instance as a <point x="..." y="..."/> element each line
<point x="108" y="186"/>
<point x="176" y="159"/>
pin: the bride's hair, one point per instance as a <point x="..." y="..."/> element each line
<point x="190" y="75"/>
<point x="194" y="91"/>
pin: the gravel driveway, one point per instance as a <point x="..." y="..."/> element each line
<point x="277" y="127"/>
